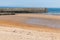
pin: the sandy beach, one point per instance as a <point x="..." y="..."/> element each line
<point x="29" y="27"/>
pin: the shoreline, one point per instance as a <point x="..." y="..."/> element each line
<point x="52" y="17"/>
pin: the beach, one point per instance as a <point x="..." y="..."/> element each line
<point x="30" y="27"/>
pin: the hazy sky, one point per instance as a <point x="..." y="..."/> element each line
<point x="30" y="3"/>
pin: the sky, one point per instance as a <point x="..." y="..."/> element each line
<point x="30" y="3"/>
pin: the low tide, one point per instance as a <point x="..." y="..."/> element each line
<point x="51" y="21"/>
<point x="30" y="27"/>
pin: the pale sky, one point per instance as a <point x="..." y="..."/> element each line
<point x="30" y="3"/>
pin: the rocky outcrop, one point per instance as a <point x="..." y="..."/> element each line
<point x="24" y="10"/>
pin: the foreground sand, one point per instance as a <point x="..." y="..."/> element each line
<point x="13" y="27"/>
<point x="7" y="33"/>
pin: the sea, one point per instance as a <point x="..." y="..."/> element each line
<point x="54" y="11"/>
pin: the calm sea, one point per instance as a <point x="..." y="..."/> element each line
<point x="54" y="11"/>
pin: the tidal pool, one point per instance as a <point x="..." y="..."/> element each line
<point x="44" y="22"/>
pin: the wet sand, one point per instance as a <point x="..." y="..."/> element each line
<point x="44" y="16"/>
<point x="32" y="26"/>
<point x="26" y="20"/>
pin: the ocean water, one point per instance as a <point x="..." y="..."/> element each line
<point x="54" y="11"/>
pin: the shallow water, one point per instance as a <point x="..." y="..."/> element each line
<point x="45" y="22"/>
